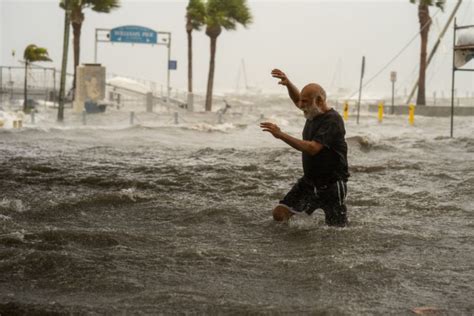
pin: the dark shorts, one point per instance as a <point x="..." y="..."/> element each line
<point x="305" y="197"/>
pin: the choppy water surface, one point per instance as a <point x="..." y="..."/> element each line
<point x="165" y="218"/>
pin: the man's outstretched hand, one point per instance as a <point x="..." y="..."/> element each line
<point x="277" y="73"/>
<point x="271" y="128"/>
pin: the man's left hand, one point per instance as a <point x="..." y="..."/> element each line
<point x="272" y="128"/>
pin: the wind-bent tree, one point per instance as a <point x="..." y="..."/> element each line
<point x="222" y="14"/>
<point x="77" y="18"/>
<point x="32" y="54"/>
<point x="195" y="19"/>
<point x="425" y="23"/>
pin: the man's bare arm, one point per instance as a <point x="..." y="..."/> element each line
<point x="293" y="91"/>
<point x="308" y="146"/>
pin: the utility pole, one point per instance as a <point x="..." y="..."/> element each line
<point x="67" y="16"/>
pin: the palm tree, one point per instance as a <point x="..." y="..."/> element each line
<point x="222" y="14"/>
<point x="77" y="18"/>
<point x="425" y="23"/>
<point x="32" y="54"/>
<point x="195" y="19"/>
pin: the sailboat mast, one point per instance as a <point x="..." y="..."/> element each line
<point x="237" y="88"/>
<point x="245" y="74"/>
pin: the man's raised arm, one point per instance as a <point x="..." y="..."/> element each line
<point x="310" y="147"/>
<point x="293" y="91"/>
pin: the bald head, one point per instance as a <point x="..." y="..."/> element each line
<point x="313" y="101"/>
<point x="314" y="91"/>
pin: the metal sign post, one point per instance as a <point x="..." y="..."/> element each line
<point x="168" y="70"/>
<point x="135" y="35"/>
<point x="393" y="79"/>
<point x="360" y="87"/>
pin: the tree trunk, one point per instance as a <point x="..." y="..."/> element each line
<point x="210" y="80"/>
<point x="25" y="92"/>
<point x="63" y="67"/>
<point x="76" y="28"/>
<point x="190" y="61"/>
<point x="425" y="23"/>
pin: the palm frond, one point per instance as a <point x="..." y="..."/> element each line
<point x="29" y="52"/>
<point x="437" y="3"/>
<point x="196" y="14"/>
<point x="69" y="3"/>
<point x="441" y="4"/>
<point x="103" y="6"/>
<point x="228" y="13"/>
<point x="34" y="53"/>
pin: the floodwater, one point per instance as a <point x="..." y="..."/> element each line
<point x="106" y="218"/>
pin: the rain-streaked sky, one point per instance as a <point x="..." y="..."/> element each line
<point x="312" y="41"/>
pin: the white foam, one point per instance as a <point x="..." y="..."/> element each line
<point x="5" y="218"/>
<point x="277" y="120"/>
<point x="128" y="84"/>
<point x="7" y="118"/>
<point x="15" y="205"/>
<point x="241" y="123"/>
<point x="204" y="127"/>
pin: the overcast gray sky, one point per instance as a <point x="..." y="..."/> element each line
<point x="312" y="41"/>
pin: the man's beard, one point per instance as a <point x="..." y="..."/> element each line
<point x="311" y="112"/>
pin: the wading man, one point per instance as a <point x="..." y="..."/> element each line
<point x="325" y="167"/>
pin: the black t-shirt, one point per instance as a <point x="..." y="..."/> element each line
<point x="330" y="164"/>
